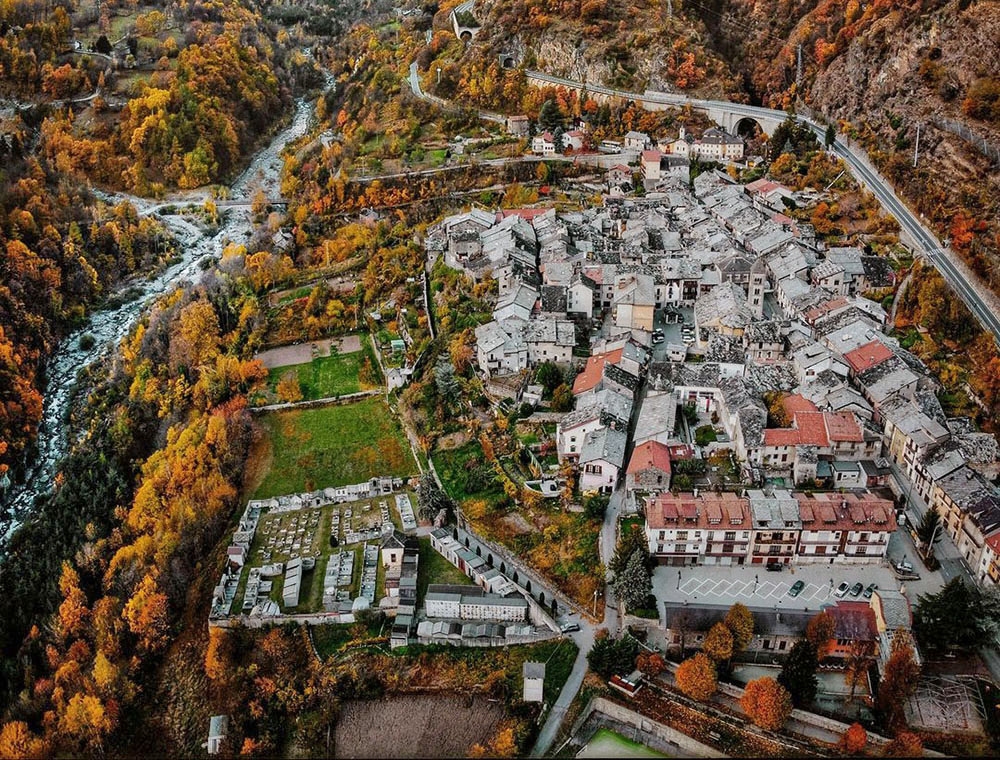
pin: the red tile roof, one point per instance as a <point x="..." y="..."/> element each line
<point x="650" y="455"/>
<point x="867" y="356"/>
<point x="707" y="510"/>
<point x="796" y="402"/>
<point x="813" y="428"/>
<point x="525" y="213"/>
<point x="843" y="426"/>
<point x="650" y="155"/>
<point x="592" y="373"/>
<point x="824" y="308"/>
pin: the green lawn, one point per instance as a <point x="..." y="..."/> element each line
<point x="433" y="568"/>
<point x="465" y="473"/>
<point x="332" y="446"/>
<point x="330" y="638"/>
<point x="329" y="376"/>
<point x="607" y="743"/>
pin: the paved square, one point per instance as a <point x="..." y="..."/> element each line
<point x="756" y="587"/>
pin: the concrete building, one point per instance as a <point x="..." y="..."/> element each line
<point x="533" y="674"/>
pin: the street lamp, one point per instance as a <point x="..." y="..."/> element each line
<point x="678" y="579"/>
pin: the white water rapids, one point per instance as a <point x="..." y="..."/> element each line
<point x="109" y="326"/>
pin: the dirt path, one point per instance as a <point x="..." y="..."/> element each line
<point x="301" y="353"/>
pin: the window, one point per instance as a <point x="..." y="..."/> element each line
<point x="730" y="535"/>
<point x="781" y="645"/>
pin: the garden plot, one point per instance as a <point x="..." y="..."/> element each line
<point x="415" y="725"/>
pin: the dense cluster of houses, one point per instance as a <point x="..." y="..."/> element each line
<point x="655" y="161"/>
<point x="783" y="352"/>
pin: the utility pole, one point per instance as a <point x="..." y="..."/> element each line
<point x="916" y="147"/>
<point x="798" y="70"/>
<point x="670" y="9"/>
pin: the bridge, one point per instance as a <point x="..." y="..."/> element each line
<point x="980" y="300"/>
<point x="727" y="115"/>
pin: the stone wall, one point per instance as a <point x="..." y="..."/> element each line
<point x="604" y="707"/>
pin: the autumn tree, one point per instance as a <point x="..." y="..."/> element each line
<point x="854" y="740"/>
<point x="18" y="743"/>
<point x="73" y="612"/>
<point x="146" y="615"/>
<point x="651" y="663"/>
<point x="819" y="633"/>
<point x="767" y="703"/>
<point x="289" y="390"/>
<point x="899" y="681"/>
<point x="718" y="643"/>
<point x="696" y="677"/>
<point x="86" y="721"/>
<point x="739" y="621"/>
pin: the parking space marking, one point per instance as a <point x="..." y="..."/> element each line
<point x="765" y="588"/>
<point x="684" y="587"/>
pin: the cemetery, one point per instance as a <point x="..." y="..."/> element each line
<point x="314" y="554"/>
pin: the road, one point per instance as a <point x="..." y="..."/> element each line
<point x="977" y="297"/>
<point x="417" y="90"/>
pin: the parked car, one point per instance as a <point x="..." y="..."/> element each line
<point x="856" y="589"/>
<point x="841" y="590"/>
<point x="774" y="567"/>
<point x="569" y="627"/>
<point x="870" y="590"/>
<point x="658" y="339"/>
<point x="796" y="588"/>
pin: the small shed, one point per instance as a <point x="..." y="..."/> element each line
<point x="398" y="346"/>
<point x="218" y="729"/>
<point x="534" y="681"/>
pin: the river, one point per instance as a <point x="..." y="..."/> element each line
<point x="109" y="326"/>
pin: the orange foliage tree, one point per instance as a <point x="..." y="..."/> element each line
<point x="767" y="703"/>
<point x="696" y="677"/>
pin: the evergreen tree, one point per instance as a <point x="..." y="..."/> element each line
<point x="549" y="115"/>
<point x="431" y="499"/>
<point x="928" y="525"/>
<point x="629" y="542"/>
<point x="444" y="378"/>
<point x="798" y="674"/>
<point x="831" y="135"/>
<point x="634" y="584"/>
<point x="958" y="616"/>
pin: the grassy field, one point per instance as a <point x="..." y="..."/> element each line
<point x="307" y="449"/>
<point x="433" y="568"/>
<point x="329" y="376"/>
<point x="606" y="743"/>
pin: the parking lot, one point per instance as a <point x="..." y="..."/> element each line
<point x="672" y="331"/>
<point x="754" y="586"/>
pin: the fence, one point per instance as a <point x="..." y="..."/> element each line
<point x="980" y="143"/>
<point x="328" y="401"/>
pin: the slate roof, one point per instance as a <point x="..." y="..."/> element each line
<point x="605" y="444"/>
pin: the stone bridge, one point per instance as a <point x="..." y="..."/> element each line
<point x="733" y="117"/>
